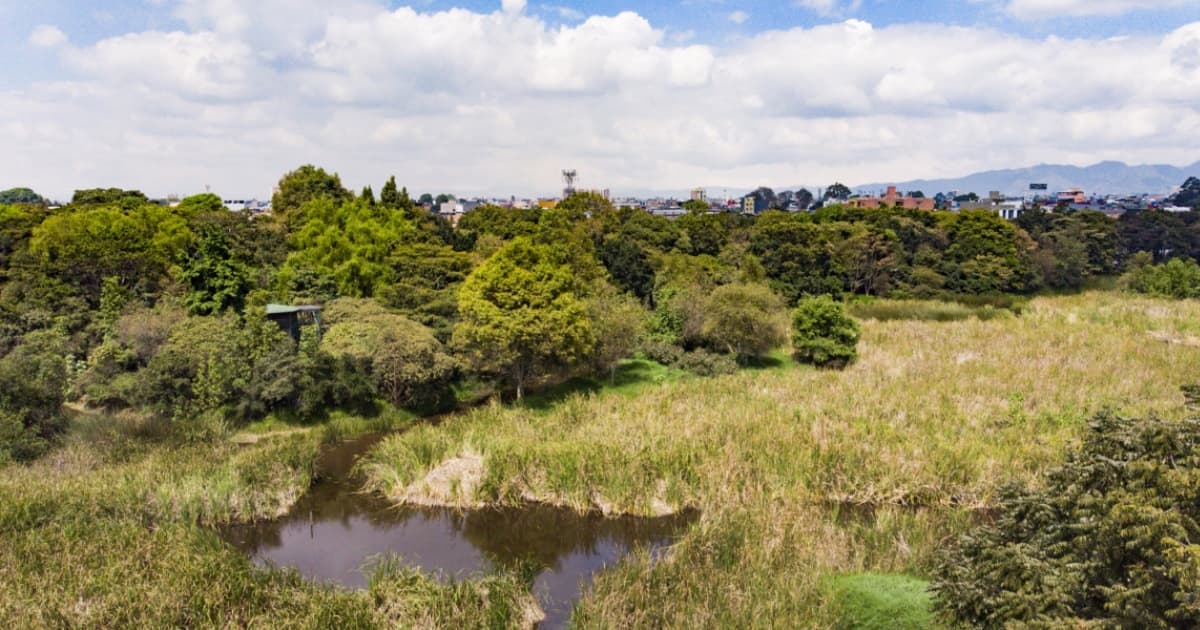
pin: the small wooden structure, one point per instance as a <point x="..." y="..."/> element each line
<point x="292" y="318"/>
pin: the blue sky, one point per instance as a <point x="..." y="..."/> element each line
<point x="668" y="95"/>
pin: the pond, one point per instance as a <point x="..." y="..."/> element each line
<point x="334" y="531"/>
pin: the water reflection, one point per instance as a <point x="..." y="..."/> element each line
<point x="334" y="530"/>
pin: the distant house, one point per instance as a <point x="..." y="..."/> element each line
<point x="1072" y="195"/>
<point x="892" y="199"/>
<point x="291" y="319"/>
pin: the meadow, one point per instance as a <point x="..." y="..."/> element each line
<point x="804" y="475"/>
<point x="823" y="494"/>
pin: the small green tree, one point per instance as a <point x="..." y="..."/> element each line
<point x="619" y="322"/>
<point x="408" y="364"/>
<point x="745" y="320"/>
<point x="305" y="184"/>
<point x="33" y="385"/>
<point x="520" y="314"/>
<point x="823" y="334"/>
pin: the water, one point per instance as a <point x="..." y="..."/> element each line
<point x="334" y="530"/>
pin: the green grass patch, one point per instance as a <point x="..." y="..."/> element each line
<point x="871" y="601"/>
<point x="629" y="379"/>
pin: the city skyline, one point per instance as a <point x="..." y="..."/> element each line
<point x="496" y="97"/>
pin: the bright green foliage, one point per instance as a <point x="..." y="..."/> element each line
<point x="350" y="242"/>
<point x="200" y="204"/>
<point x="1177" y="278"/>
<point x="745" y="320"/>
<point x="822" y="333"/>
<point x="1108" y="541"/>
<point x="506" y="223"/>
<point x="521" y="315"/>
<point x="33" y="384"/>
<point x="16" y="226"/>
<point x="427" y="276"/>
<point x="20" y="195"/>
<point x="870" y="601"/>
<point x="217" y="281"/>
<point x="408" y="364"/>
<point x="136" y="246"/>
<point x="618" y="322"/>
<point x="302" y="186"/>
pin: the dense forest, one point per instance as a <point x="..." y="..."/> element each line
<point x="117" y="302"/>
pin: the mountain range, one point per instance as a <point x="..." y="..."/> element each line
<point x="1105" y="178"/>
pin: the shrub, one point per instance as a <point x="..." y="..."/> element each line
<point x="1177" y="278"/>
<point x="822" y="333"/>
<point x="704" y="363"/>
<point x="1107" y="541"/>
<point x="745" y="320"/>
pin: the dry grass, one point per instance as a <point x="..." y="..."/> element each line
<point x="933" y="414"/>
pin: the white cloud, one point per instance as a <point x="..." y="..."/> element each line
<point x="46" y="36"/>
<point x="738" y="17"/>
<point x="1038" y="9"/>
<point x="512" y="6"/>
<point x="498" y="102"/>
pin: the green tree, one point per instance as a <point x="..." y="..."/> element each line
<point x="823" y="334"/>
<point x="745" y="320"/>
<point x="303" y="185"/>
<point x="1106" y="540"/>
<point x="136" y="246"/>
<point x="33" y="386"/>
<point x="521" y="315"/>
<point x="628" y="266"/>
<point x="705" y="233"/>
<point x="1177" y="278"/>
<point x="216" y="281"/>
<point x="408" y="364"/>
<point x="21" y="195"/>
<point x="389" y="196"/>
<point x="200" y="204"/>
<point x="126" y="199"/>
<point x="618" y="323"/>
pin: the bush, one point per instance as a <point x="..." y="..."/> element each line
<point x="704" y="363"/>
<point x="745" y="320"/>
<point x="1177" y="278"/>
<point x="1108" y="541"/>
<point x="822" y="333"/>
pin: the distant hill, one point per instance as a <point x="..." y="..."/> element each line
<point x="1103" y="178"/>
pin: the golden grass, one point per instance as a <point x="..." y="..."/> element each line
<point x="932" y="414"/>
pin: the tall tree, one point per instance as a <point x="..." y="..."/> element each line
<point x="521" y="316"/>
<point x="301" y="186"/>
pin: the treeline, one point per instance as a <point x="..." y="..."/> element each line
<point x="117" y="302"/>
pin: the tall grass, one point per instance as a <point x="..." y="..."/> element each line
<point x="937" y="414"/>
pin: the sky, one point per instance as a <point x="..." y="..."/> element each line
<point x="496" y="97"/>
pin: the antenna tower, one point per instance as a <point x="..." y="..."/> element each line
<point x="569" y="176"/>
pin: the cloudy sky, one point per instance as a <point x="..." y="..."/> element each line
<point x="495" y="97"/>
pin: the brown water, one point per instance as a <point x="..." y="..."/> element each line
<point x="333" y="532"/>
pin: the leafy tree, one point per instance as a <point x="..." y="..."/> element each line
<point x="823" y="334"/>
<point x="301" y="186"/>
<point x="1107" y="540"/>
<point x="1188" y="195"/>
<point x="33" y="385"/>
<point x="21" y="195"/>
<point x="200" y="204"/>
<point x="425" y="199"/>
<point x="426" y="280"/>
<point x="126" y="199"/>
<point x="838" y="191"/>
<point x="704" y="233"/>
<point x="798" y="254"/>
<point x="990" y="255"/>
<point x="618" y="323"/>
<point x="506" y="223"/>
<point x="1165" y="235"/>
<point x="368" y="195"/>
<point x="628" y="266"/>
<point x="216" y="281"/>
<point x="745" y="320"/>
<point x="584" y="204"/>
<point x="349" y="242"/>
<point x="406" y="361"/>
<point x="520" y="314"/>
<point x="136" y="246"/>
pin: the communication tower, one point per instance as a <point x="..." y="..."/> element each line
<point x="569" y="177"/>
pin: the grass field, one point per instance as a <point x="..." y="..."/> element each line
<point x="818" y="490"/>
<point x="934" y="414"/>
